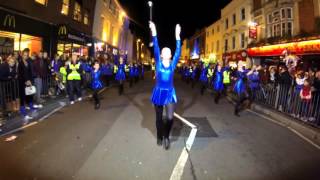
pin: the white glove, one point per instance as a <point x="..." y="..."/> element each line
<point x="153" y="28"/>
<point x="178" y="31"/>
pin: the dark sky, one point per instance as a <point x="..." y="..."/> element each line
<point x="192" y="15"/>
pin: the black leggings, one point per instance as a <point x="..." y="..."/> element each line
<point x="164" y="126"/>
<point x="96" y="97"/>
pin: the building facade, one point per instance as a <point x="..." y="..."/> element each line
<point x="55" y="26"/>
<point x="185" y="51"/>
<point x="235" y="18"/>
<point x="197" y="45"/>
<point x="286" y="26"/>
<point x="213" y="41"/>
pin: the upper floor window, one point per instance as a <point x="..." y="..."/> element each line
<point x="283" y="13"/>
<point x="86" y="17"/>
<point x="212" y="31"/>
<point x="289" y="13"/>
<point x="43" y="2"/>
<point x="65" y="7"/>
<point x="218" y="29"/>
<point x="227" y="23"/>
<point x="233" y="42"/>
<point x="243" y="14"/>
<point x="242" y="40"/>
<point x="234" y="19"/>
<point x="77" y="12"/>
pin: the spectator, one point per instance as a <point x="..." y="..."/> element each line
<point x="305" y="95"/>
<point x="8" y="76"/>
<point x="40" y="68"/>
<point x="316" y="98"/>
<point x="25" y="80"/>
<point x="285" y="81"/>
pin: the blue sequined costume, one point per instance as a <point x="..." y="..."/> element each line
<point x="203" y="75"/>
<point x="164" y="92"/>
<point x="239" y="86"/>
<point x="121" y="74"/>
<point x="96" y="83"/>
<point x="218" y="81"/>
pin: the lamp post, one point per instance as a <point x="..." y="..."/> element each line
<point x="138" y="41"/>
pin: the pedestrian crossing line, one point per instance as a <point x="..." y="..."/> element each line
<point x="179" y="167"/>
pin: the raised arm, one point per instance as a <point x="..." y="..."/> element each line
<point x="155" y="42"/>
<point x="177" y="53"/>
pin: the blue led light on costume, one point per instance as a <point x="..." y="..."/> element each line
<point x="164" y="92"/>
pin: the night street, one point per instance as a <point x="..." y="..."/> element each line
<point x="118" y="142"/>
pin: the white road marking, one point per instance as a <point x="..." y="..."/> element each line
<point x="184" y="120"/>
<point x="179" y="167"/>
<point x="291" y="129"/>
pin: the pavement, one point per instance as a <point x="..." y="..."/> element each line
<point x="118" y="142"/>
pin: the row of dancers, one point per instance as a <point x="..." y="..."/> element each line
<point x="224" y="79"/>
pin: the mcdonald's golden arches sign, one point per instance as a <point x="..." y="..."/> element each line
<point x="9" y="21"/>
<point x="62" y="30"/>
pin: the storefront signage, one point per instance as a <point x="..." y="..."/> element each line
<point x="76" y="38"/>
<point x="253" y="32"/>
<point x="9" y="21"/>
<point x="298" y="48"/>
<point x="62" y="31"/>
<point x="235" y="56"/>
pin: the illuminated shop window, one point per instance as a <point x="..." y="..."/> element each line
<point x="77" y="12"/>
<point x="65" y="7"/>
<point x="43" y="2"/>
<point x="86" y="18"/>
<point x="17" y="42"/>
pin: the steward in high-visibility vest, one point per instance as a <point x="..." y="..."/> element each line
<point x="63" y="74"/>
<point x="226" y="77"/>
<point x="115" y="69"/>
<point x="74" y="71"/>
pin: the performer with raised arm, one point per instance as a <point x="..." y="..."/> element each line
<point x="164" y="94"/>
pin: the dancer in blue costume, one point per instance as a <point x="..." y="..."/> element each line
<point x="131" y="74"/>
<point x="164" y="94"/>
<point x="240" y="88"/>
<point x="218" y="83"/>
<point x="121" y="75"/>
<point x="193" y="75"/>
<point x="96" y="84"/>
<point x="204" y="78"/>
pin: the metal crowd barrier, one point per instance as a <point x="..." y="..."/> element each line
<point x="286" y="99"/>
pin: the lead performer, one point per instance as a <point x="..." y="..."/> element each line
<point x="164" y="94"/>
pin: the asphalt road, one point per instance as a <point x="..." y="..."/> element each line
<point x="118" y="142"/>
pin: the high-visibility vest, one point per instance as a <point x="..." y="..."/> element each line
<point x="153" y="67"/>
<point x="210" y="73"/>
<point x="63" y="73"/>
<point x="127" y="69"/>
<point x="226" y="77"/>
<point x="74" y="75"/>
<point x="115" y="69"/>
<point x="191" y="70"/>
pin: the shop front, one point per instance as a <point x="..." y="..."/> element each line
<point x="18" y="32"/>
<point x="72" y="42"/>
<point x="308" y="53"/>
<point x="231" y="59"/>
<point x="109" y="52"/>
